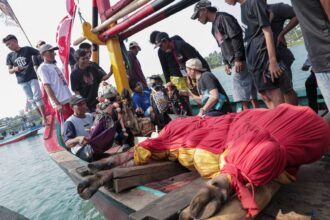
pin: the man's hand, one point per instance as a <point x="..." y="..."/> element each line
<point x="18" y="69"/>
<point x="281" y="40"/>
<point x="227" y="69"/>
<point x="82" y="140"/>
<point x="275" y="70"/>
<point x="201" y="112"/>
<point x="239" y="66"/>
<point x="305" y="67"/>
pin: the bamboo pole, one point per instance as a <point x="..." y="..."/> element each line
<point x="128" y="9"/>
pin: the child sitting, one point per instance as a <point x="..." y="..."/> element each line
<point x="109" y="114"/>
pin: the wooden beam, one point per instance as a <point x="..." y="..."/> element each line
<point x="125" y="178"/>
<point x="170" y="205"/>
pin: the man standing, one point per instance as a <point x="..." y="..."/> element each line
<point x="279" y="13"/>
<point x="87" y="47"/>
<point x="134" y="71"/>
<point x="229" y="37"/>
<point x="19" y="62"/>
<point x="54" y="83"/>
<point x="212" y="97"/>
<point x="85" y="79"/>
<point x="260" y="50"/>
<point x="313" y="17"/>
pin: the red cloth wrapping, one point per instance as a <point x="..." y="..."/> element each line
<point x="261" y="143"/>
<point x="264" y="143"/>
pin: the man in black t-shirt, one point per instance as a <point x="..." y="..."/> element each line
<point x="212" y="97"/>
<point x="279" y="13"/>
<point x="19" y="62"/>
<point x="314" y="20"/>
<point x="260" y="50"/>
<point x="228" y="34"/>
<point x="87" y="47"/>
<point x="85" y="79"/>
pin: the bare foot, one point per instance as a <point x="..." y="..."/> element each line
<point x="100" y="165"/>
<point x="185" y="215"/>
<point x="210" y="198"/>
<point x="89" y="187"/>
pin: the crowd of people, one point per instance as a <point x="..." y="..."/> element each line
<point x="257" y="58"/>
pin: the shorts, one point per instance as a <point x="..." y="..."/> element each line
<point x="285" y="80"/>
<point x="263" y="80"/>
<point x="243" y="86"/>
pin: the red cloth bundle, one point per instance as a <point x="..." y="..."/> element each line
<point x="264" y="143"/>
<point x="261" y="143"/>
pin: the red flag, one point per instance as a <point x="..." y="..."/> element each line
<point x="63" y="36"/>
<point x="8" y="13"/>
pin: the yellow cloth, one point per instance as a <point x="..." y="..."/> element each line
<point x="179" y="82"/>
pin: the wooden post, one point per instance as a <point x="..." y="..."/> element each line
<point x="117" y="61"/>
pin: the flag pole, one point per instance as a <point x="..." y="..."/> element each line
<point x="19" y="24"/>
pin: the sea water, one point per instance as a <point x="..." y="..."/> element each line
<point x="34" y="186"/>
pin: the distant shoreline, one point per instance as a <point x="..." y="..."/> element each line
<point x="298" y="42"/>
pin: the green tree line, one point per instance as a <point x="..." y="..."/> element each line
<point x="214" y="59"/>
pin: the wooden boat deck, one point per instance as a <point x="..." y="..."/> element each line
<point x="308" y="196"/>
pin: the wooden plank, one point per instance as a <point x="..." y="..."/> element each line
<point x="170" y="205"/>
<point x="308" y="196"/>
<point x="125" y="178"/>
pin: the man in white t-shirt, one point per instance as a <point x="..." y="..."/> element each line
<point x="54" y="83"/>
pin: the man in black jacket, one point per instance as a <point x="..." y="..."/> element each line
<point x="167" y="60"/>
<point x="229" y="37"/>
<point x="181" y="51"/>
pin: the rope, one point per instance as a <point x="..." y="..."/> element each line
<point x="79" y="13"/>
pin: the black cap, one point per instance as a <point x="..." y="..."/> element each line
<point x="153" y="36"/>
<point x="199" y="5"/>
<point x="76" y="99"/>
<point x="160" y="37"/>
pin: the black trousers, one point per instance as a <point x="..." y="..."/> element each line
<point x="311" y="91"/>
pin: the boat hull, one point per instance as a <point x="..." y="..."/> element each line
<point x="19" y="137"/>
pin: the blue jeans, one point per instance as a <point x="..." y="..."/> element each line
<point x="323" y="81"/>
<point x="33" y="93"/>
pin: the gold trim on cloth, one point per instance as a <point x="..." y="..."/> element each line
<point x="285" y="178"/>
<point x="141" y="155"/>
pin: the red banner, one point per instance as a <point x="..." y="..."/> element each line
<point x="63" y="36"/>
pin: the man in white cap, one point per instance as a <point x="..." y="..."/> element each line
<point x="54" y="83"/>
<point x="135" y="71"/>
<point x="212" y="97"/>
